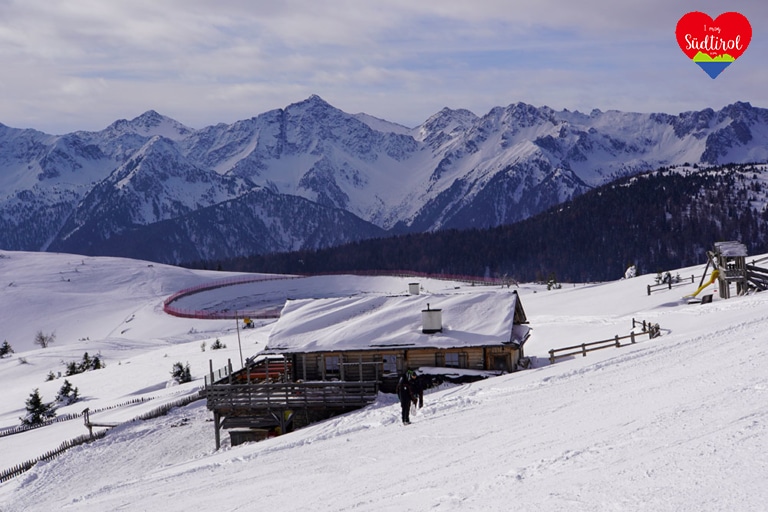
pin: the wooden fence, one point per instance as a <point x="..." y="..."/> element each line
<point x="66" y="445"/>
<point x="669" y="285"/>
<point x="652" y="330"/>
<point x="757" y="277"/>
<point x="69" y="417"/>
<point x="218" y="375"/>
<point x="227" y="398"/>
<point x="24" y="428"/>
<point x="87" y="438"/>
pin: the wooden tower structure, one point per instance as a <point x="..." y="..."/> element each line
<point x="730" y="259"/>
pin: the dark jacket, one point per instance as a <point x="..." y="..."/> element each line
<point x="405" y="389"/>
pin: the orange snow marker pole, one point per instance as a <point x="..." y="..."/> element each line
<point x="715" y="274"/>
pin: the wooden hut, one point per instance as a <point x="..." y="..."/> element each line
<point x="329" y="356"/>
<point x="376" y="338"/>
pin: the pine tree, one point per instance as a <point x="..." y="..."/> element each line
<point x="85" y="365"/>
<point x="5" y="349"/>
<point x="72" y="368"/>
<point x="181" y="373"/>
<point x="37" y="411"/>
<point x="68" y="394"/>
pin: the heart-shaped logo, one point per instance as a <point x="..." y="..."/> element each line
<point x="713" y="44"/>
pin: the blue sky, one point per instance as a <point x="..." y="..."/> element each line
<point x="81" y="64"/>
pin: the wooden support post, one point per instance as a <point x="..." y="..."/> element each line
<point x="584" y="349"/>
<point x="649" y="289"/>
<point x="87" y="420"/>
<point x="618" y="343"/>
<point x="217" y="427"/>
<point x="632" y="336"/>
<point x="240" y="346"/>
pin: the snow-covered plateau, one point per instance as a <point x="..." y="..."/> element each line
<point x="674" y="423"/>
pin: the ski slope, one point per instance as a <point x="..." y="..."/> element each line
<point x="677" y="423"/>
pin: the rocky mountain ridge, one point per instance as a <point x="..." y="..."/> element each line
<point x="310" y="175"/>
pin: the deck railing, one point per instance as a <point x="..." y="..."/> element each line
<point x="228" y="398"/>
<point x="649" y="329"/>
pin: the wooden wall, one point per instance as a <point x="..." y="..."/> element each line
<point x="368" y="365"/>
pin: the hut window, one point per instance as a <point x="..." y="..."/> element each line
<point x="455" y="359"/>
<point x="501" y="362"/>
<point x="389" y="363"/>
<point x="452" y="359"/>
<point x="332" y="365"/>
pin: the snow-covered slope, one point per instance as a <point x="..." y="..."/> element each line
<point x="456" y="170"/>
<point x="677" y="423"/>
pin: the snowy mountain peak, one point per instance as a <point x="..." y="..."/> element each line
<point x="148" y="124"/>
<point x="314" y="103"/>
<point x="742" y="111"/>
<point x="445" y="125"/>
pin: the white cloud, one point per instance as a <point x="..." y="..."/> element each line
<point x="91" y="62"/>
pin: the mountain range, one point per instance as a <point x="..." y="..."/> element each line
<point x="310" y="175"/>
<point x="654" y="221"/>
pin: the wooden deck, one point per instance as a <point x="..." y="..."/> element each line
<point x="249" y="405"/>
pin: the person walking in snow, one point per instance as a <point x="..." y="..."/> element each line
<point x="418" y="385"/>
<point x="406" y="392"/>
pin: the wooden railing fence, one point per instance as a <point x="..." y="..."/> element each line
<point x="291" y="395"/>
<point x="669" y="285"/>
<point x="69" y="417"/>
<point x="217" y="375"/>
<point x="87" y="438"/>
<point x="24" y="428"/>
<point x="66" y="445"/>
<point x="650" y="329"/>
<point x="758" y="277"/>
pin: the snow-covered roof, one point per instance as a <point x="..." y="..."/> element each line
<point x="374" y="321"/>
<point x="731" y="249"/>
